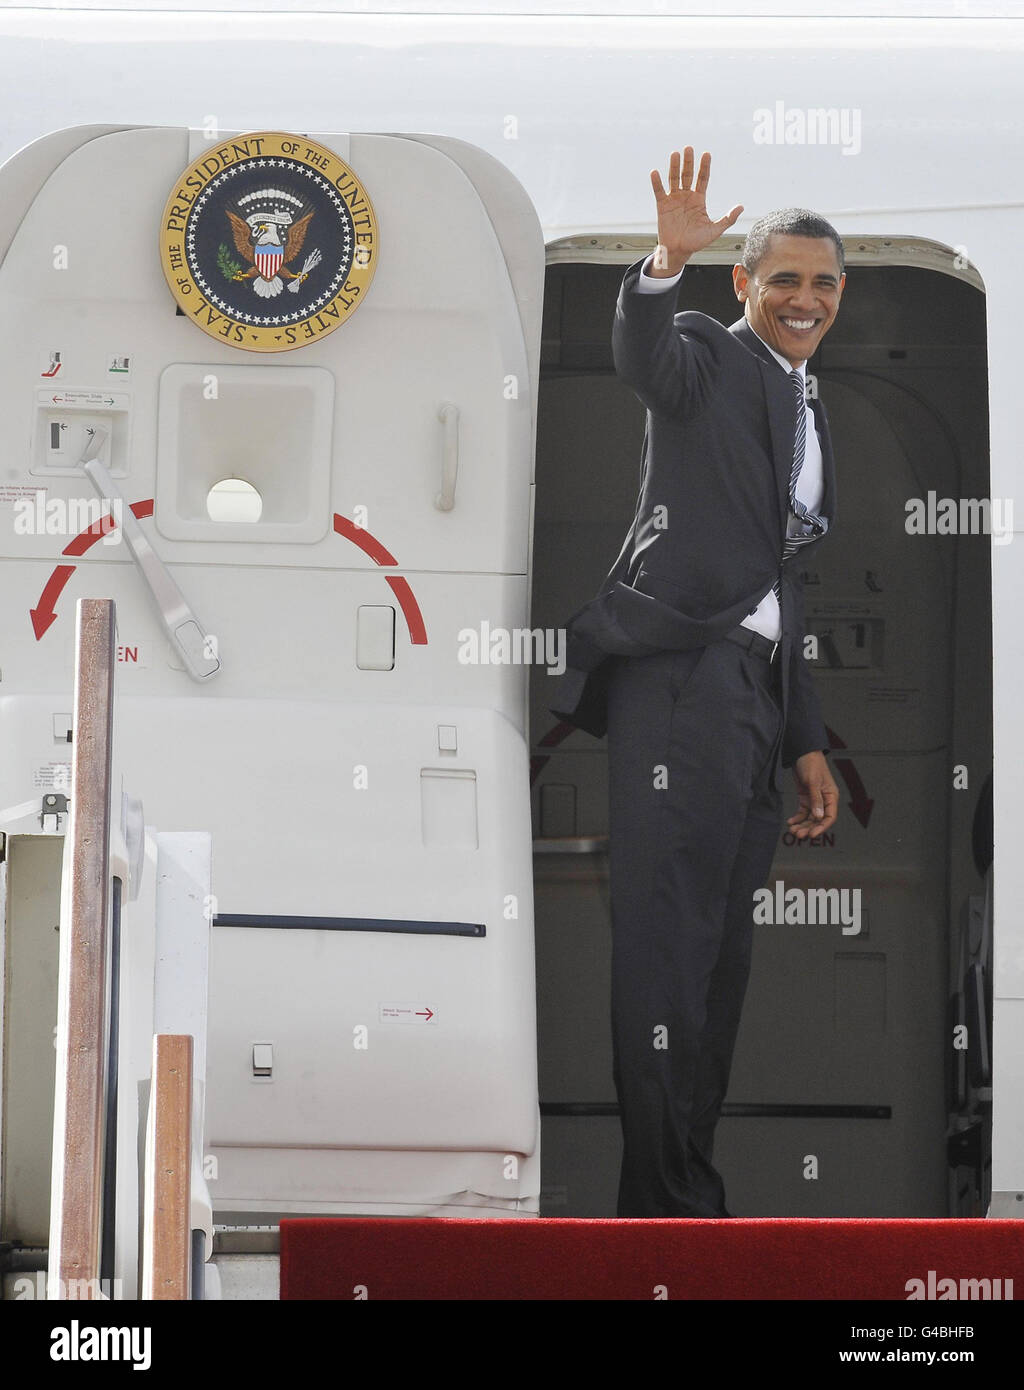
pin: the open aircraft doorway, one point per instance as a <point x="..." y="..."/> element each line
<point x="850" y="1095"/>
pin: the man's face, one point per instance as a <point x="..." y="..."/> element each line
<point x="792" y="299"/>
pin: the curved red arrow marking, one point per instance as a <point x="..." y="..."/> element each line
<point x="88" y="538"/>
<point x="43" y="615"/>
<point x="99" y="529"/>
<point x="380" y="554"/>
<point x="860" y="803"/>
<point x="359" y="536"/>
<point x="410" y="610"/>
<point x="554" y="736"/>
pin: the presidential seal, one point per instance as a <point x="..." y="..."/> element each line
<point x="268" y="242"/>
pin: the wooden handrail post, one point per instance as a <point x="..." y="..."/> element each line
<point x="76" y="1206"/>
<point x="167" y="1221"/>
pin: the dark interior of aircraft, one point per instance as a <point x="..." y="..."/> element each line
<point x="861" y="1085"/>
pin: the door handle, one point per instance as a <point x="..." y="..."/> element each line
<point x="448" y="414"/>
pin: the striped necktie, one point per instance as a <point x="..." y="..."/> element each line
<point x="811" y="526"/>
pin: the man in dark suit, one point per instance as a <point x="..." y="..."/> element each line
<point x="692" y="658"/>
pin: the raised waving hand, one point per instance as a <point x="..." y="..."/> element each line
<point x="684" y="226"/>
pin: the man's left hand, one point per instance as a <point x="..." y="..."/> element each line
<point x="818" y="797"/>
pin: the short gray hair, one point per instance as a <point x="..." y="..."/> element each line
<point x="788" y="222"/>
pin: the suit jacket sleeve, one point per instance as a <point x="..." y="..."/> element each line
<point x="671" y="370"/>
<point x="804" y="731"/>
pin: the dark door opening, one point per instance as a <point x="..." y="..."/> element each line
<point x="852" y="1092"/>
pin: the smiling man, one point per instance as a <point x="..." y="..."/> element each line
<point x="692" y="659"/>
<point x="790" y="281"/>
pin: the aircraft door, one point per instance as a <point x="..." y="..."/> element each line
<point x="314" y="453"/>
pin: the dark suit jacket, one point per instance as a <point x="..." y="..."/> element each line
<point x="706" y="541"/>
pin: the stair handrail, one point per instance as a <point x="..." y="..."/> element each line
<point x="83" y="1011"/>
<point x="167" y="1200"/>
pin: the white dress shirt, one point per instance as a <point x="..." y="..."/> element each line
<point x="810" y="487"/>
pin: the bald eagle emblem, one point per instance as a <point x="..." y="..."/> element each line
<point x="269" y="231"/>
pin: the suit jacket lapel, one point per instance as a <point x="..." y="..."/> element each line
<point x="828" y="467"/>
<point x="781" y="419"/>
<point x="781" y="414"/>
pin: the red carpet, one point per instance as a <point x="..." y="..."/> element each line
<point x="349" y="1258"/>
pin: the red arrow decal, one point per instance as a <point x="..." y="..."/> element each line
<point x="359" y="536"/>
<point x="860" y="803"/>
<point x="428" y="1015"/>
<point x="43" y="615"/>
<point x="551" y="739"/>
<point x="410" y="609"/>
<point x="88" y="538"/>
<point x="380" y="555"/>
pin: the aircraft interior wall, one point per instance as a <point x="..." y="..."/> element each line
<point x="847" y="1091"/>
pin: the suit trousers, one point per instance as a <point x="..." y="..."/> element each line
<point x="694" y="819"/>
